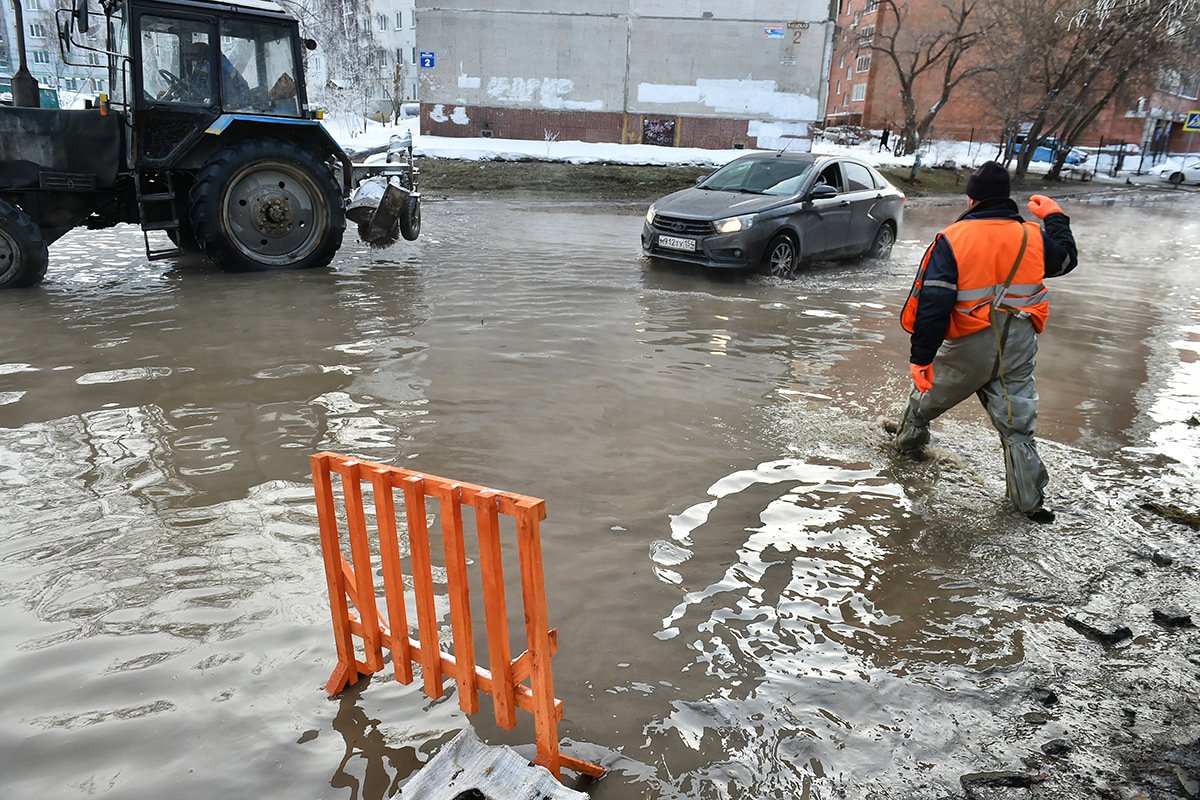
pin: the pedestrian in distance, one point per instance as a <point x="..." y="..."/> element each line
<point x="883" y="138"/>
<point x="976" y="306"/>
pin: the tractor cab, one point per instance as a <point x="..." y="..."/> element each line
<point x="206" y="140"/>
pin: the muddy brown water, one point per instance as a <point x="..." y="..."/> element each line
<point x="756" y="598"/>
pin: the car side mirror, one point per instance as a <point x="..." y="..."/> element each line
<point x="822" y="191"/>
<point x="701" y="180"/>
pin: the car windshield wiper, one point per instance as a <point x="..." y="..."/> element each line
<point x="744" y="190"/>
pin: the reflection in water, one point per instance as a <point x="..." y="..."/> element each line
<point x="825" y="618"/>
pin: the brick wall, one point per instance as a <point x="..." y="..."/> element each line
<point x="582" y="126"/>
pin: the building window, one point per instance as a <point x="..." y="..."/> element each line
<point x="41" y="57"/>
<point x="860" y="92"/>
<point x="867" y="35"/>
<point x="839" y="89"/>
<point x="37" y="30"/>
<point x="366" y="24"/>
<point x="863" y="64"/>
<point x="849" y="73"/>
<point x="33" y="5"/>
<point x="871" y="6"/>
<point x="382" y="20"/>
<point x="842" y="63"/>
<point x="414" y="54"/>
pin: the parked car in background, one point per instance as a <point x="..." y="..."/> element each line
<point x="1046" y="151"/>
<point x="1178" y="172"/>
<point x="776" y="210"/>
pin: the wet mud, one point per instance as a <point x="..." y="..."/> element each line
<point x="756" y="597"/>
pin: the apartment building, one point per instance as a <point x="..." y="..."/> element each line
<point x="82" y="75"/>
<point x="671" y="72"/>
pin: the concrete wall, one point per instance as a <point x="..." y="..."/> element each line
<point x="687" y="61"/>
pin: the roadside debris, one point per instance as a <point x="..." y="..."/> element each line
<point x="466" y="767"/>
<point x="1172" y="617"/>
<point x="1109" y="637"/>
<point x="1174" y="513"/>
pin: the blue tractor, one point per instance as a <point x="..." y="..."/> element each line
<point x="207" y="140"/>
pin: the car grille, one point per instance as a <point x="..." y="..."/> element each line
<point x="678" y="226"/>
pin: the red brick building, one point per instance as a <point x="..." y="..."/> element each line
<point x="863" y="90"/>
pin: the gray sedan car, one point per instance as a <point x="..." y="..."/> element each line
<point x="775" y="210"/>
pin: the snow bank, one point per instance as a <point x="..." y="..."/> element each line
<point x="356" y="134"/>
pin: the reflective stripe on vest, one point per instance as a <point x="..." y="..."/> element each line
<point x="984" y="250"/>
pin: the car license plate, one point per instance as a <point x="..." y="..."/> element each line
<point x="676" y="243"/>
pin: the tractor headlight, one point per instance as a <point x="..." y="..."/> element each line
<point x="734" y="224"/>
<point x="650" y="215"/>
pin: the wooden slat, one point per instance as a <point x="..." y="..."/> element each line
<point x="495" y="608"/>
<point x="537" y="634"/>
<point x="331" y="552"/>
<point x="393" y="577"/>
<point x="522" y="665"/>
<point x="360" y="552"/>
<point x="349" y="581"/>
<point x="435" y="486"/>
<point x="460" y="602"/>
<point x="418" y="540"/>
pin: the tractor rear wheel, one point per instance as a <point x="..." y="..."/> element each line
<point x="23" y="253"/>
<point x="267" y="205"/>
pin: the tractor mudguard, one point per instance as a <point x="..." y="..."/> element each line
<point x="308" y="132"/>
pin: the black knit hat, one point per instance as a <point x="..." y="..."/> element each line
<point x="989" y="182"/>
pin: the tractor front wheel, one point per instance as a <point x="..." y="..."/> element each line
<point x="23" y="253"/>
<point x="267" y="205"/>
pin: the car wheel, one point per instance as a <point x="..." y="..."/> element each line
<point x="781" y="257"/>
<point x="881" y="249"/>
<point x="1176" y="178"/>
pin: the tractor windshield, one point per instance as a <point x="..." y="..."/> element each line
<point x="176" y="61"/>
<point x="258" y="68"/>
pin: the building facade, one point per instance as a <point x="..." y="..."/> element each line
<point x="864" y="91"/>
<point x="82" y="75"/>
<point x="668" y="72"/>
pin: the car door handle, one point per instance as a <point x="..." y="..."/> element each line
<point x="844" y="204"/>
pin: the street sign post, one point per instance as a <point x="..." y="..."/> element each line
<point x="1193" y="122"/>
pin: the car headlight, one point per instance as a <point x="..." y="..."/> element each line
<point x="734" y="224"/>
<point x="650" y="215"/>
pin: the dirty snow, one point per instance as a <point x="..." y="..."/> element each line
<point x="356" y="134"/>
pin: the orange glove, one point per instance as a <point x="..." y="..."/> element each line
<point x="922" y="376"/>
<point x="1043" y="206"/>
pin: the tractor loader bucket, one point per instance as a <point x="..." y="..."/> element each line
<point x="365" y="200"/>
<point x="385" y="224"/>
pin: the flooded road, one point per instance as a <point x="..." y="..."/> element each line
<point x="756" y="598"/>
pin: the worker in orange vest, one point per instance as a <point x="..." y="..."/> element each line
<point x="976" y="306"/>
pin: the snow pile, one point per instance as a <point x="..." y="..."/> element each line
<point x="356" y="135"/>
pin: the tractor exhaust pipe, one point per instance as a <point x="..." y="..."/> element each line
<point x="26" y="93"/>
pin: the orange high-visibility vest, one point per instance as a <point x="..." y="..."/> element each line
<point x="985" y="250"/>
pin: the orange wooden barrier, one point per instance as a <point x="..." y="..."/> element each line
<point x="353" y="581"/>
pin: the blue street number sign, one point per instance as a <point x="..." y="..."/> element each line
<point x="428" y="60"/>
<point x="1193" y="122"/>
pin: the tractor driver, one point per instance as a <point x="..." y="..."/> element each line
<point x="196" y="85"/>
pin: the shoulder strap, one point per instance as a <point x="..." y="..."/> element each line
<point x="1012" y="273"/>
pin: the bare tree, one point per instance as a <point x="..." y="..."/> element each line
<point x="1060" y="68"/>
<point x="929" y="57"/>
<point x="341" y="29"/>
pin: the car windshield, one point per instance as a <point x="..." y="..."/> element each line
<point x="759" y="176"/>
